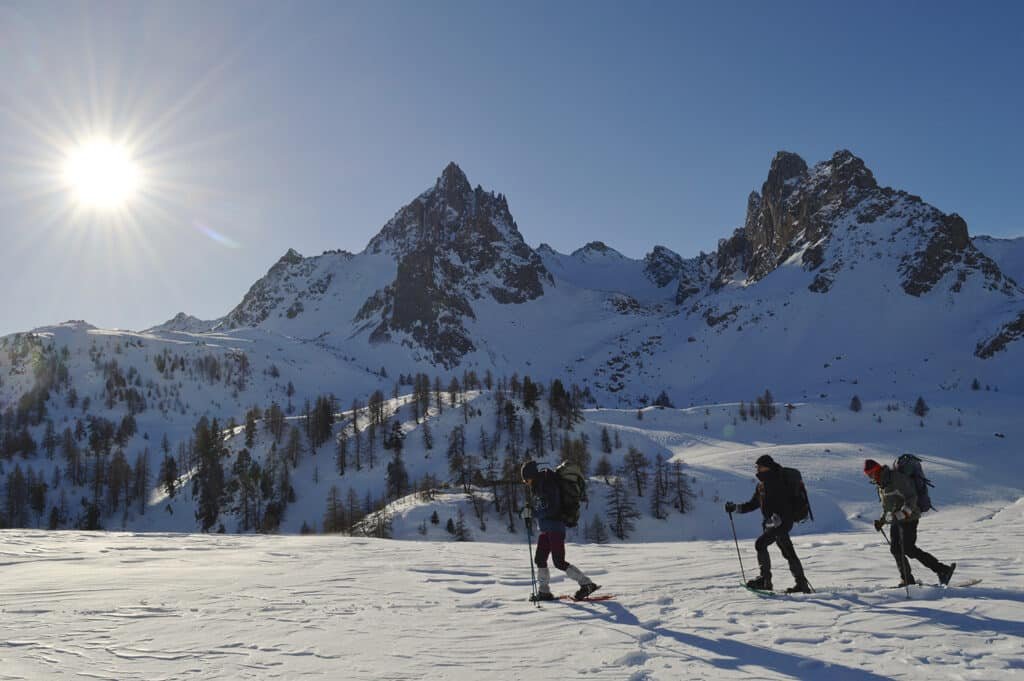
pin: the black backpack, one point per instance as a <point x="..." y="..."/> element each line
<point x="910" y="466"/>
<point x="797" y="495"/>
<point x="573" y="487"/>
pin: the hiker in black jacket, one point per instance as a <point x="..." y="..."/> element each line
<point x="773" y="497"/>
<point x="544" y="493"/>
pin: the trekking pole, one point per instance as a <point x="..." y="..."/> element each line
<point x="737" y="541"/>
<point x="528" y="519"/>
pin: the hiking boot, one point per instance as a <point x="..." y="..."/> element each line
<point x="906" y="582"/>
<point x="542" y="596"/>
<point x="584" y="591"/>
<point x="761" y="584"/>
<point x="801" y="587"/>
<point x="946" y="574"/>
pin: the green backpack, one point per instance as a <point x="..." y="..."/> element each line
<point x="573" y="487"/>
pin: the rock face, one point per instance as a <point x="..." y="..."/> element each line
<point x="800" y="210"/>
<point x="662" y="266"/>
<point x="796" y="207"/>
<point x="185" y="323"/>
<point x="454" y="244"/>
<point x="290" y="284"/>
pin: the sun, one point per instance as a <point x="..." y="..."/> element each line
<point x="101" y="174"/>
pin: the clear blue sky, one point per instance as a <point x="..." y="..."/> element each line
<point x="308" y="124"/>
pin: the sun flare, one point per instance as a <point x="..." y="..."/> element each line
<point x="102" y="174"/>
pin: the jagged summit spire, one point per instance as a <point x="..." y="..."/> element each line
<point x="452" y="176"/>
<point x="785" y="166"/>
<point x="454" y="187"/>
<point x="849" y="169"/>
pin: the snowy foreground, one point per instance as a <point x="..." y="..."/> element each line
<point x="134" y="606"/>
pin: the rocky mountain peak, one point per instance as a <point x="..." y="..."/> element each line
<point x="847" y="170"/>
<point x="785" y="167"/>
<point x="662" y="266"/>
<point x="596" y="248"/>
<point x="448" y="213"/>
<point x="452" y="244"/>
<point x="454" y="187"/>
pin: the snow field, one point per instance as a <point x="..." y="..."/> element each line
<point x="163" y="606"/>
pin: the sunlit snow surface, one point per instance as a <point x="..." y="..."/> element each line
<point x="156" y="606"/>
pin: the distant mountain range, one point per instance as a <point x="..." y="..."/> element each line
<point x="828" y="263"/>
<point x="833" y="287"/>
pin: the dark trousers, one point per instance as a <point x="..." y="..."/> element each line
<point x="553" y="544"/>
<point x="904" y="540"/>
<point x="778" y="535"/>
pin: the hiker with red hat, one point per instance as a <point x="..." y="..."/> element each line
<point x="898" y="495"/>
<point x="774" y="498"/>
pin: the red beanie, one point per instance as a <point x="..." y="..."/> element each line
<point x="872" y="469"/>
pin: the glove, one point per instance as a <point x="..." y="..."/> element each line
<point x="526" y="512"/>
<point x="879" y="524"/>
<point x="774" y="521"/>
<point x="729" y="507"/>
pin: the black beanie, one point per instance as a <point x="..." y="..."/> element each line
<point x="766" y="461"/>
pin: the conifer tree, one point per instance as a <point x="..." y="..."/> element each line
<point x="334" y="514"/>
<point x="341" y="455"/>
<point x="604" y="468"/>
<point x="397" y="477"/>
<point x="169" y="474"/>
<point x="920" y="408"/>
<point x="659" y="489"/>
<point x="682" y="495"/>
<point x="461" y="531"/>
<point x="635" y="465"/>
<point x="621" y="510"/>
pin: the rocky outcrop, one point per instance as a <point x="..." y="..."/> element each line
<point x="185" y="323"/>
<point x="799" y="210"/>
<point x="662" y="266"/>
<point x="1010" y="332"/>
<point x="287" y="289"/>
<point x="795" y="208"/>
<point x="596" y="249"/>
<point x="454" y="244"/>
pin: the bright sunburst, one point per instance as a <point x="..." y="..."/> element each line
<point x="102" y="174"/>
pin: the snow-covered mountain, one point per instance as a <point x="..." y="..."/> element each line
<point x="828" y="264"/>
<point x="833" y="287"/>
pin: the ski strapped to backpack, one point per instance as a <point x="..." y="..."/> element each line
<point x="798" y="495"/>
<point x="573" y="487"/>
<point x="910" y="466"/>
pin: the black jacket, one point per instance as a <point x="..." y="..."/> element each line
<point x="547" y="497"/>
<point x="772" y="496"/>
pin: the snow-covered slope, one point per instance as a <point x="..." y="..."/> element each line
<point x="130" y="606"/>
<point x="1007" y="253"/>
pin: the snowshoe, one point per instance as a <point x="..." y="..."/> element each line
<point x="947" y="574"/>
<point x="542" y="596"/>
<point x="760" y="584"/>
<point x="801" y="587"/>
<point x="585" y="590"/>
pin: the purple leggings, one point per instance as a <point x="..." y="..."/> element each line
<point x="552" y="543"/>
